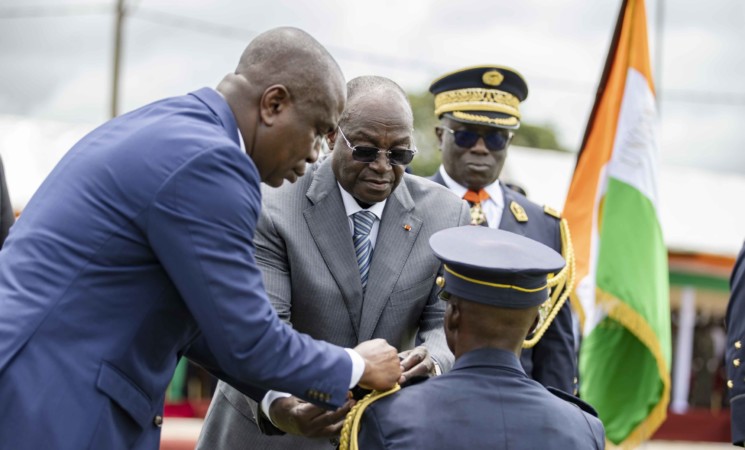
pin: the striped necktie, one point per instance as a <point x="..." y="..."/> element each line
<point x="363" y="222"/>
<point x="474" y="199"/>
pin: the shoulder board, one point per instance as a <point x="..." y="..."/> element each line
<point x="551" y="212"/>
<point x="574" y="400"/>
<point x="518" y="211"/>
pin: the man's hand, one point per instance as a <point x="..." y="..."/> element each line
<point x="415" y="363"/>
<point x="295" y="416"/>
<point x="382" y="367"/>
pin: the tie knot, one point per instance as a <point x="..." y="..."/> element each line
<point x="476" y="197"/>
<point x="363" y="222"/>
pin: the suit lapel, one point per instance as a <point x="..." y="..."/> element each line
<point x="508" y="222"/>
<point x="329" y="226"/>
<point x="392" y="248"/>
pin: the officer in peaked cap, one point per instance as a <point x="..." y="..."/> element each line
<point x="494" y="283"/>
<point x="479" y="110"/>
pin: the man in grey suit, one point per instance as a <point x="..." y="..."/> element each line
<point x="345" y="258"/>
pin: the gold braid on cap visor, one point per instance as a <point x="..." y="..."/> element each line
<point x="477" y="99"/>
<point x="495" y="285"/>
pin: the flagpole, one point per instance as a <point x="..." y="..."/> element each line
<point x="604" y="78"/>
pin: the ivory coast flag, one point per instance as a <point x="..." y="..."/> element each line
<point x="621" y="260"/>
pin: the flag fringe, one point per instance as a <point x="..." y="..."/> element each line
<point x="635" y="323"/>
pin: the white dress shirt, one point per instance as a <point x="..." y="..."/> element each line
<point x="492" y="207"/>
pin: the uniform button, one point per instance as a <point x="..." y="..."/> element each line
<point x="736" y="362"/>
<point x="738" y="345"/>
<point x="730" y="384"/>
<point x="158" y="421"/>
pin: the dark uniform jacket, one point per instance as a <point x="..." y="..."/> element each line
<point x="735" y="354"/>
<point x="485" y="402"/>
<point x="553" y="361"/>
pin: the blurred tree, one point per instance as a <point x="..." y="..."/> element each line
<point x="428" y="158"/>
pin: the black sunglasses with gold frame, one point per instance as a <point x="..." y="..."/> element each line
<point x="368" y="154"/>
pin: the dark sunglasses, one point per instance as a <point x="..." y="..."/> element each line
<point x="365" y="154"/>
<point x="494" y="141"/>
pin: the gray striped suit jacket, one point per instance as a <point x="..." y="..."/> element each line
<point x="304" y="248"/>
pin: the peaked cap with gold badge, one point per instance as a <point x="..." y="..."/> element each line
<point x="483" y="95"/>
<point x="495" y="267"/>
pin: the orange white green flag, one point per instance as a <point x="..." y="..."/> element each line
<point x="622" y="292"/>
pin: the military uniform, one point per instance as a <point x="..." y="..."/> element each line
<point x="486" y="400"/>
<point x="735" y="353"/>
<point x="490" y="95"/>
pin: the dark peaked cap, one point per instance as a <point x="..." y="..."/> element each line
<point x="495" y="267"/>
<point x="483" y="95"/>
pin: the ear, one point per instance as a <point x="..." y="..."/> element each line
<point x="452" y="317"/>
<point x="274" y="101"/>
<point x="536" y="322"/>
<point x="438" y="133"/>
<point x="331" y="136"/>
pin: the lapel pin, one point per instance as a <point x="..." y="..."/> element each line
<point x="407" y="227"/>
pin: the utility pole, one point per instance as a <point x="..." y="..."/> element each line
<point x="119" y="19"/>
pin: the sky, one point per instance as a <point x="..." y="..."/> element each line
<point x="56" y="56"/>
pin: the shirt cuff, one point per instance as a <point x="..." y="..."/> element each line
<point x="267" y="401"/>
<point x="358" y="367"/>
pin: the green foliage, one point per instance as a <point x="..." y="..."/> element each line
<point x="536" y="136"/>
<point x="428" y="158"/>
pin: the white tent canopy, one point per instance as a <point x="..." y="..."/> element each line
<point x="699" y="211"/>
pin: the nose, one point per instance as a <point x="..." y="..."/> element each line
<point x="480" y="147"/>
<point x="314" y="151"/>
<point x="381" y="163"/>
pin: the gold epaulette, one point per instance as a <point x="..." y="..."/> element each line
<point x="551" y="212"/>
<point x="561" y="286"/>
<point x="351" y="428"/>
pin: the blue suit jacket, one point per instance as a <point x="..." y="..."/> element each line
<point x="135" y="250"/>
<point x="735" y="352"/>
<point x="552" y="361"/>
<point x="485" y="402"/>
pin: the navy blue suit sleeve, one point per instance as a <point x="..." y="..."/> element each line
<point x="735" y="353"/>
<point x="199" y="353"/>
<point x="201" y="226"/>
<point x="554" y="358"/>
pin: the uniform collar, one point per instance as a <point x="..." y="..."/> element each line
<point x="489" y="357"/>
<point x="494" y="190"/>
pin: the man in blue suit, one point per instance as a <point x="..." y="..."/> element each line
<point x="735" y="354"/>
<point x="493" y="283"/>
<point x="138" y="249"/>
<point x="478" y="108"/>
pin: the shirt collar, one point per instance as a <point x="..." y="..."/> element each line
<point x="494" y="190"/>
<point x="351" y="206"/>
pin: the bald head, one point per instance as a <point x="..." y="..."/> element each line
<point x="286" y="94"/>
<point x="371" y="85"/>
<point x="293" y="58"/>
